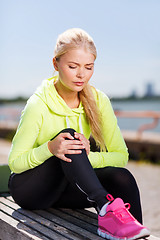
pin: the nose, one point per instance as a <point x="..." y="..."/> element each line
<point x="80" y="73"/>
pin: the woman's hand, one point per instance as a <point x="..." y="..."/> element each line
<point x="63" y="144"/>
<point x="83" y="140"/>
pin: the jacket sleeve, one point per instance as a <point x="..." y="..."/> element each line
<point x="117" y="152"/>
<point x="24" y="153"/>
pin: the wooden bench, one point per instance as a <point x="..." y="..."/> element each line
<point x="19" y="224"/>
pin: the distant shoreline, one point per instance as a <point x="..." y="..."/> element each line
<point x="145" y="98"/>
<point x="129" y="98"/>
<point x="13" y="100"/>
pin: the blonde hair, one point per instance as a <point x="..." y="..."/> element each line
<point x="72" y="39"/>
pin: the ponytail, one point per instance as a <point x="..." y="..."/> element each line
<point x="93" y="115"/>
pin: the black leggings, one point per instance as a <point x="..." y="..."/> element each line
<point x="57" y="183"/>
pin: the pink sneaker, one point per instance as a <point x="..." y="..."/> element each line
<point x="117" y="223"/>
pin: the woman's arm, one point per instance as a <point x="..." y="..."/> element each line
<point x="24" y="153"/>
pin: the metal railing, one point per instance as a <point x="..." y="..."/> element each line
<point x="11" y="116"/>
<point x="155" y="115"/>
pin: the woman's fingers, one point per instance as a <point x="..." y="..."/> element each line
<point x="78" y="136"/>
<point x="66" y="135"/>
<point x="81" y="137"/>
<point x="72" y="145"/>
<point x="70" y="151"/>
<point x="63" y="156"/>
<point x="84" y="140"/>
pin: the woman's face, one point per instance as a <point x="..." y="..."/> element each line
<point x="75" y="69"/>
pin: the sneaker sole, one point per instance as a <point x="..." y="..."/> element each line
<point x="143" y="234"/>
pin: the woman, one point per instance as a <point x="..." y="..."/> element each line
<point x="50" y="157"/>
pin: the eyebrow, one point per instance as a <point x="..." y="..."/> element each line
<point x="79" y="64"/>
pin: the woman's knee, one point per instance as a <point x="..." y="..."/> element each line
<point x="124" y="176"/>
<point x="115" y="176"/>
<point x="66" y="130"/>
<point x="125" y="180"/>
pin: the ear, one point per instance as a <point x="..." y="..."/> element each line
<point x="55" y="64"/>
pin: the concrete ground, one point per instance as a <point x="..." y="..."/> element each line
<point x="148" y="180"/>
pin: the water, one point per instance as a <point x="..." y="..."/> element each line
<point x="138" y="105"/>
<point x="12" y="112"/>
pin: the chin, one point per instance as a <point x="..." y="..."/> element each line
<point x="79" y="89"/>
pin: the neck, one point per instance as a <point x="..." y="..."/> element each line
<point x="71" y="98"/>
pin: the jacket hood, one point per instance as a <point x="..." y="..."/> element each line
<point x="49" y="95"/>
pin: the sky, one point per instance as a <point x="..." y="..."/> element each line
<point x="126" y="34"/>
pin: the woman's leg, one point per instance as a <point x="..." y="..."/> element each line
<point x="117" y="181"/>
<point x="39" y="187"/>
<point x="42" y="186"/>
<point x="120" y="183"/>
<point x="80" y="173"/>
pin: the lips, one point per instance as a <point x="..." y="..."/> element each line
<point x="79" y="83"/>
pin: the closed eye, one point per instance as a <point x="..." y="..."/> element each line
<point x="72" y="67"/>
<point x="89" y="68"/>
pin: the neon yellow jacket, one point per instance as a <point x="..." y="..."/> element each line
<point x="46" y="114"/>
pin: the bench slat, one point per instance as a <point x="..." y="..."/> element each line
<point x="11" y="229"/>
<point x="91" y="230"/>
<point x="90" y="212"/>
<point x="31" y="223"/>
<point x="81" y="215"/>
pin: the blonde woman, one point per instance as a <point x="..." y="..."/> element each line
<point x="50" y="158"/>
